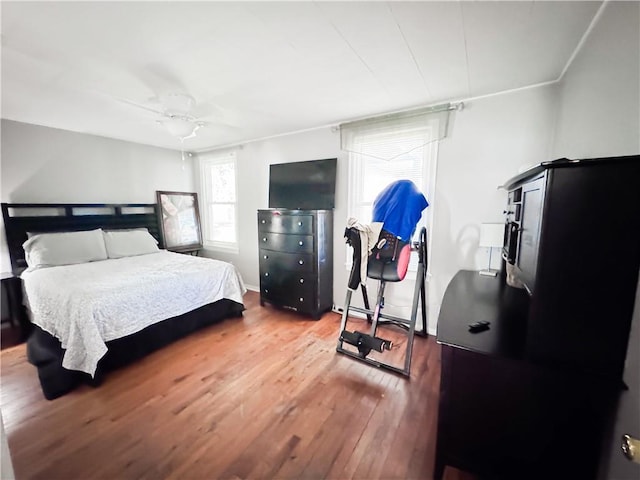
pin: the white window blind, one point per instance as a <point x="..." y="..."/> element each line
<point x="386" y="137"/>
<point x="369" y="175"/>
<point x="396" y="147"/>
<point x="218" y="184"/>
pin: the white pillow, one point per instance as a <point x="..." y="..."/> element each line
<point x="66" y="248"/>
<point x="127" y="243"/>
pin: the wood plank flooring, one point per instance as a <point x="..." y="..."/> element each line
<point x="259" y="397"/>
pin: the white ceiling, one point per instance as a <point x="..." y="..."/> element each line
<point x="267" y="68"/>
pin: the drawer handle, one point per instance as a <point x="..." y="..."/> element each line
<point x="263" y="221"/>
<point x="302" y="280"/>
<point x="264" y="239"/>
<point x="266" y="290"/>
<point x="266" y="274"/>
<point x="265" y="256"/>
<point x="299" y="224"/>
<point x="301" y="299"/>
<point x="301" y="262"/>
<point x="301" y="243"/>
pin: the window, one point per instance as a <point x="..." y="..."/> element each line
<point x="370" y="175"/>
<point x="218" y="185"/>
<point x="396" y="147"/>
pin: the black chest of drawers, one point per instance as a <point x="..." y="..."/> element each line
<point x="296" y="259"/>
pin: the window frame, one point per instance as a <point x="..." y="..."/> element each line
<point x="206" y="161"/>
<point x="427" y="185"/>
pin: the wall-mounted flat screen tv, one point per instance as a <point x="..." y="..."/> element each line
<point x="309" y="185"/>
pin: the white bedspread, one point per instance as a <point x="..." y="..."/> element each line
<point x="88" y="304"/>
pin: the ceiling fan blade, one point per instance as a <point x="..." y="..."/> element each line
<point x="139" y="105"/>
<point x="219" y="124"/>
<point x="203" y="110"/>
<point x="159" y="79"/>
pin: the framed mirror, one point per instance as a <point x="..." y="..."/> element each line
<point x="180" y="221"/>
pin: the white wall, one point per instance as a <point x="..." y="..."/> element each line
<point x="488" y="143"/>
<point x="599" y="111"/>
<point x="493" y="139"/>
<point x="47" y="165"/>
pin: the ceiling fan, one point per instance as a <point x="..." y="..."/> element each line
<point x="179" y="113"/>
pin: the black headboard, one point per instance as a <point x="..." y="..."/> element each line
<point x="20" y="218"/>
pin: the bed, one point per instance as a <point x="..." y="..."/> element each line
<point x="88" y="309"/>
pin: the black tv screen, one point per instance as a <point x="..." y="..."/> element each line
<point x="307" y="185"/>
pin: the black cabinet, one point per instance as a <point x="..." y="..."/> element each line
<point x="502" y="415"/>
<point x="296" y="259"/>
<point x="533" y="396"/>
<point x="577" y="251"/>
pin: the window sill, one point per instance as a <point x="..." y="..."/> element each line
<point x="225" y="248"/>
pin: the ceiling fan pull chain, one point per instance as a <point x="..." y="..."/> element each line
<point x="182" y="150"/>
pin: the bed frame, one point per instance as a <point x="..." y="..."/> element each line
<point x="23" y="218"/>
<point x="45" y="351"/>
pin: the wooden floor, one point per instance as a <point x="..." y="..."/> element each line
<point x="263" y="396"/>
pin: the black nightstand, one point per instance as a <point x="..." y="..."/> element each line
<point x="12" y="285"/>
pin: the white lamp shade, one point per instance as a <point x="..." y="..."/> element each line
<point x="180" y="127"/>
<point x="491" y="234"/>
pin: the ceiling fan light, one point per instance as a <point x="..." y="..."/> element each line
<point x="180" y="127"/>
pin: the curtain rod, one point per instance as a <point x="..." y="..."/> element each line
<point x="335" y="127"/>
<point x="443" y="107"/>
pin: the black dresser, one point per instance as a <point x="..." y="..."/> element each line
<point x="296" y="259"/>
<point x="533" y="396"/>
<point x="501" y="414"/>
